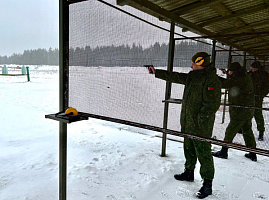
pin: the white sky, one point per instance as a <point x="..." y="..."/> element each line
<point x="28" y="24"/>
<point x="33" y="24"/>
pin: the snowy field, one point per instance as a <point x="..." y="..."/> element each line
<point x="106" y="161"/>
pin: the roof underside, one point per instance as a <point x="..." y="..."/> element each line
<point x="242" y="24"/>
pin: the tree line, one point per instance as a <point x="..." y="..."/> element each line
<point x="33" y="57"/>
<point x="137" y="56"/>
<point x="114" y="56"/>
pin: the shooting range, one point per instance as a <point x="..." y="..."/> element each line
<point x="102" y="71"/>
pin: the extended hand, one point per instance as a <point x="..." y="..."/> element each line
<point x="152" y="70"/>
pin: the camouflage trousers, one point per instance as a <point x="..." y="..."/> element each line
<point x="258" y="115"/>
<point x="194" y="150"/>
<point x="233" y="128"/>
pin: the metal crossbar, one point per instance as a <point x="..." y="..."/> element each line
<point x="180" y="134"/>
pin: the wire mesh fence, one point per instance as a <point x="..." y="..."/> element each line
<point x="109" y="46"/>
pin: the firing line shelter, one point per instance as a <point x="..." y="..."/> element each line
<point x="94" y="33"/>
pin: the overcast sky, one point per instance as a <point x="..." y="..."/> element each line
<point x="28" y="24"/>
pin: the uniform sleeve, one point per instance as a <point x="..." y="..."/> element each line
<point x="210" y="100"/>
<point x="173" y="77"/>
<point x="226" y="83"/>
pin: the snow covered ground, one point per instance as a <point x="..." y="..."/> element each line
<point x="106" y="161"/>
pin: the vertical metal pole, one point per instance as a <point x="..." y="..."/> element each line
<point x="168" y="84"/>
<point x="226" y="92"/>
<point x="245" y="60"/>
<point x="213" y="57"/>
<point x="63" y="95"/>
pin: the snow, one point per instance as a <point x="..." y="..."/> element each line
<point x="106" y="161"/>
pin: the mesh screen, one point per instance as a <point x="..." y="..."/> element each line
<point x="108" y="49"/>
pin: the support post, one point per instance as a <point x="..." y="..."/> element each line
<point x="245" y="60"/>
<point x="63" y="93"/>
<point x="168" y="85"/>
<point x="226" y="92"/>
<point x="28" y="74"/>
<point x="213" y="57"/>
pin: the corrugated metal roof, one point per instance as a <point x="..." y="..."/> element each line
<point x="248" y="19"/>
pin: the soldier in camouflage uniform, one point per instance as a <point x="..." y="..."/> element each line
<point x="201" y="100"/>
<point x="260" y="82"/>
<point x="241" y="93"/>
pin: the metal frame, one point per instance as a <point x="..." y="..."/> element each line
<point x="226" y="92"/>
<point x="63" y="92"/>
<point x="64" y="84"/>
<point x="168" y="84"/>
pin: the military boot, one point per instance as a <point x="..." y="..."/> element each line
<point x="205" y="190"/>
<point x="251" y="156"/>
<point x="187" y="175"/>
<point x="223" y="153"/>
<point x="260" y="138"/>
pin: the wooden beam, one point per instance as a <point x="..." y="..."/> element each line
<point x="244" y="28"/>
<point x="247" y="36"/>
<point x="262" y="51"/>
<point x="243" y="36"/>
<point x="252" y="45"/>
<point x="222" y="10"/>
<point x="194" y="6"/>
<point x="240" y="13"/>
<point x="242" y="39"/>
<point x="266" y="45"/>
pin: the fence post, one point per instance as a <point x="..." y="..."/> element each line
<point x="28" y="74"/>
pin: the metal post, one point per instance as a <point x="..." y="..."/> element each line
<point x="213" y="57"/>
<point x="226" y="92"/>
<point x="168" y="84"/>
<point x="28" y="74"/>
<point x="245" y="60"/>
<point x="63" y="95"/>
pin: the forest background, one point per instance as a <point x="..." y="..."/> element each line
<point x="114" y="56"/>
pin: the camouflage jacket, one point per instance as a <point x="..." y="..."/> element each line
<point x="201" y="99"/>
<point x="241" y="93"/>
<point x="260" y="83"/>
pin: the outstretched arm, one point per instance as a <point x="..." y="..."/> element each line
<point x="173" y="77"/>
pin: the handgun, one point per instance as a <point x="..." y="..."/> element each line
<point x="224" y="71"/>
<point x="147" y="66"/>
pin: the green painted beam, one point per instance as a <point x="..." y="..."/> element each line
<point x="194" y="6"/>
<point x="240" y="13"/>
<point x="244" y="28"/>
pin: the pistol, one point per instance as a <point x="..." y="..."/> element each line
<point x="147" y="66"/>
<point x="224" y="71"/>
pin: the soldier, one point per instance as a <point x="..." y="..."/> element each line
<point x="260" y="82"/>
<point x="240" y="93"/>
<point x="201" y="100"/>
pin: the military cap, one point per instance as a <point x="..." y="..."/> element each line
<point x="234" y="66"/>
<point x="201" y="59"/>
<point x="256" y="64"/>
